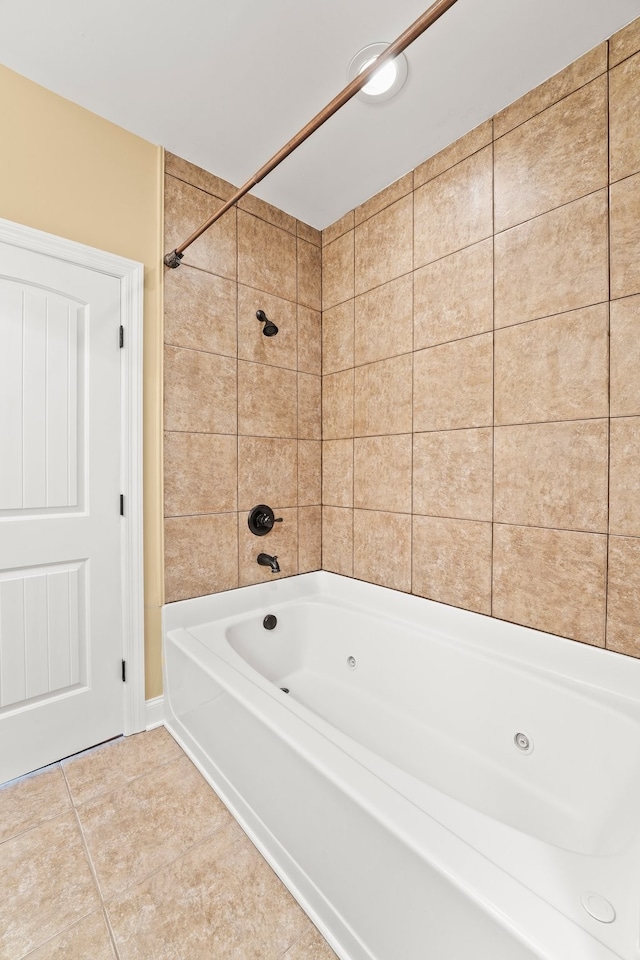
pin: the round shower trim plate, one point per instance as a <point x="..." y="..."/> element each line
<point x="363" y="58"/>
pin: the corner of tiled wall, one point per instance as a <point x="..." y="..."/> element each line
<point x="480" y="440"/>
<point x="242" y="411"/>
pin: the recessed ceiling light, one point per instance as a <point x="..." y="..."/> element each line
<point x="385" y="82"/>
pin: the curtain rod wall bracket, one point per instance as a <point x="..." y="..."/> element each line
<point x="173" y="259"/>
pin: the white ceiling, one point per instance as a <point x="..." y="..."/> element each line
<point x="225" y="83"/>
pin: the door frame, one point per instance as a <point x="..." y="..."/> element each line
<point x="131" y="277"/>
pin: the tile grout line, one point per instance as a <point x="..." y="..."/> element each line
<point x="353" y="418"/>
<point x="493" y="368"/>
<point x="608" y="541"/>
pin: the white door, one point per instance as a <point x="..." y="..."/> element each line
<point x="61" y="686"/>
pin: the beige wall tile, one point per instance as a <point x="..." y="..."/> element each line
<point x="186" y="208"/>
<point x="452" y="562"/>
<point x="267" y="472"/>
<point x="453" y="297"/>
<point x="623" y="610"/>
<point x="34" y="904"/>
<point x="266" y="257"/>
<point x="337" y="540"/>
<point x="309" y="275"/>
<point x="384" y="245"/>
<point x="197" y="177"/>
<point x="455" y="209"/>
<point x="232" y="882"/>
<point x="462" y="148"/>
<point x="280" y="350"/>
<point x="310" y="234"/>
<point x="200" y="311"/>
<point x="87" y="938"/>
<point x="337" y="473"/>
<point x="552" y="475"/>
<point x="267" y="401"/>
<point x="384" y="198"/>
<point x="309" y="341"/>
<point x="309" y="539"/>
<point x="382" y="473"/>
<point x="200" y="555"/>
<point x="27" y="802"/>
<point x="337" y="229"/>
<point x="624" y="43"/>
<point x="337" y="337"/>
<point x="553" y="264"/>
<point x="200" y="474"/>
<point x="309" y="407"/>
<point x="552" y="580"/>
<point x="625" y="237"/>
<point x="625" y="357"/>
<point x="553" y="369"/>
<point x="578" y="73"/>
<point x="338" y="271"/>
<point x="624" y="118"/>
<point x="384" y="321"/>
<point x="624" y="478"/>
<point x="382" y="548"/>
<point x="309" y="472"/>
<point x="561" y="154"/>
<point x="200" y="392"/>
<point x="383" y="392"/>
<point x="453" y="385"/>
<point x="453" y="474"/>
<point x="265" y="211"/>
<point x="281" y="542"/>
<point x="337" y="405"/>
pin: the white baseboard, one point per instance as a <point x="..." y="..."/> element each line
<point x="154" y="712"/>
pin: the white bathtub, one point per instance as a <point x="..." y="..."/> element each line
<point x="390" y="795"/>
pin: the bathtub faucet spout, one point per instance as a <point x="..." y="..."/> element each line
<point x="267" y="561"/>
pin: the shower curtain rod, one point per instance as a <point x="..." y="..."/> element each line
<point x="416" y="29"/>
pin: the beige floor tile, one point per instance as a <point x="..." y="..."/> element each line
<point x="114" y="764"/>
<point x="45" y="885"/>
<point x="219" y="902"/>
<point x="313" y="946"/>
<point x="26" y="802"/>
<point x="135" y="830"/>
<point x="87" y="940"/>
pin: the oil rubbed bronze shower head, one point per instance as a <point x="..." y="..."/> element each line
<point x="269" y="328"/>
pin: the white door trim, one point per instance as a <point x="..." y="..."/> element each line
<point x="131" y="276"/>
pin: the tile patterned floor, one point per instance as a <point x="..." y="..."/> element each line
<point x="125" y="853"/>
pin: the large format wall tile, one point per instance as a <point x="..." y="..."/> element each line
<point x="560" y="155"/>
<point x="309" y="278"/>
<point x="200" y="392"/>
<point x="625" y="357"/>
<point x="624" y="118"/>
<point x="309" y="407"/>
<point x="337" y="337"/>
<point x="281" y="542"/>
<point x="338" y="271"/>
<point x="384" y="246"/>
<point x="552" y="475"/>
<point x="337" y="473"/>
<point x="309" y="341"/>
<point x="455" y="209"/>
<point x="267" y="401"/>
<point x="623" y="610"/>
<point x="278" y="351"/>
<point x="200" y="473"/>
<point x="383" y="397"/>
<point x="266" y="257"/>
<point x="453" y="297"/>
<point x="384" y="321"/>
<point x="453" y="385"/>
<point x="309" y="539"/>
<point x="187" y="208"/>
<point x="452" y="562"/>
<point x="201" y="555"/>
<point x="625" y="237"/>
<point x="382" y="548"/>
<point x="337" y="540"/>
<point x="556" y="368"/>
<point x="555" y="263"/>
<point x="309" y="472"/>
<point x="200" y="311"/>
<point x="624" y="43"/>
<point x="337" y="405"/>
<point x="384" y="198"/>
<point x="453" y="474"/>
<point x="382" y="473"/>
<point x="552" y="580"/>
<point x="462" y="148"/>
<point x="267" y="472"/>
<point x="624" y="479"/>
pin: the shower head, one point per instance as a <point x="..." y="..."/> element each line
<point x="269" y="328"/>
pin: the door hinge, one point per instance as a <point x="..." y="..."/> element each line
<point x="121" y="336"/>
<point x="122" y="504"/>
<point x="124" y="671"/>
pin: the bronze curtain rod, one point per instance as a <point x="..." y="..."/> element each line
<point x="416" y="29"/>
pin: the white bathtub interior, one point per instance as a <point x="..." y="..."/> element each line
<point x="427" y="700"/>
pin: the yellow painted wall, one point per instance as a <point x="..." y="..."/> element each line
<point x="71" y="173"/>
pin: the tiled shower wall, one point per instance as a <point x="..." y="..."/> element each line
<point x="481" y="365"/>
<point x="242" y="411"/>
